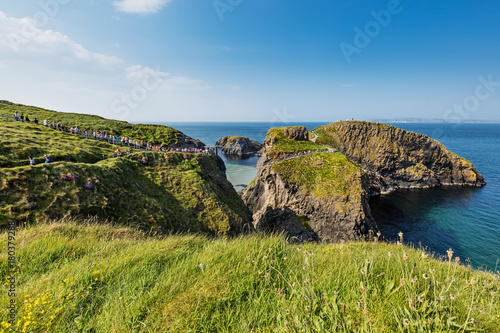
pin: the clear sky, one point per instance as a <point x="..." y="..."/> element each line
<point x="242" y="60"/>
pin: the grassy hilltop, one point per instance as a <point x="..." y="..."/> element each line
<point x="19" y="140"/>
<point x="280" y="144"/>
<point x="165" y="191"/>
<point x="158" y="134"/>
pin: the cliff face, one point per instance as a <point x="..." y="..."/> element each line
<point x="396" y="158"/>
<point x="167" y="192"/>
<point x="313" y="196"/>
<point x="239" y="146"/>
<point x="319" y="211"/>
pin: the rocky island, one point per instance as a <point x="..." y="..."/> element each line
<point x="239" y="146"/>
<point x="320" y="190"/>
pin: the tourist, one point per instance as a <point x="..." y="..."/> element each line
<point x="32" y="160"/>
<point x="45" y="122"/>
<point x="118" y="151"/>
<point x="35" y="121"/>
<point x="47" y="159"/>
<point x="28" y="119"/>
<point x="16" y="116"/>
<point x="22" y="117"/>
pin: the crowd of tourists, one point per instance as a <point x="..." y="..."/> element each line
<point x="104" y="136"/>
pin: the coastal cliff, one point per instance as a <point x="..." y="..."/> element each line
<point x="320" y="190"/>
<point x="239" y="146"/>
<point x="152" y="191"/>
<point x="396" y="158"/>
<point x="311" y="194"/>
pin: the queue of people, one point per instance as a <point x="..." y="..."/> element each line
<point x="103" y="136"/>
<point x="24" y="118"/>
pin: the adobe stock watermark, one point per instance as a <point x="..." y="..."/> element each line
<point x="281" y="117"/>
<point x="12" y="273"/>
<point x="372" y="29"/>
<point x="131" y="100"/>
<point x="48" y="10"/>
<point x="471" y="103"/>
<point x="223" y="6"/>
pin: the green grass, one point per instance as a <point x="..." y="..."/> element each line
<point x="173" y="191"/>
<point x="20" y="140"/>
<point x="157" y="134"/>
<point x="328" y="175"/>
<point x="236" y="137"/>
<point x="285" y="145"/>
<point x="84" y="277"/>
<point x="324" y="137"/>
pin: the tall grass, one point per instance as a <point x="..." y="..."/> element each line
<point x="85" y="277"/>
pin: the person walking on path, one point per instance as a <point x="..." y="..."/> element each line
<point x="16" y="116"/>
<point x="32" y="160"/>
<point x="47" y="159"/>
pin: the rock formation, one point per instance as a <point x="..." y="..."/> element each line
<point x="187" y="142"/>
<point x="280" y="203"/>
<point x="239" y="146"/>
<point x="323" y="196"/>
<point x="396" y="158"/>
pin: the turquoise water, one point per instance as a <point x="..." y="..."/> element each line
<point x="462" y="218"/>
<point x="239" y="172"/>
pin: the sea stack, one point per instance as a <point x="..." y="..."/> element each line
<point x="239" y="146"/>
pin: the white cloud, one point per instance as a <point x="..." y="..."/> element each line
<point x="49" y="69"/>
<point x="22" y="36"/>
<point x="140" y="6"/>
<point x="138" y="74"/>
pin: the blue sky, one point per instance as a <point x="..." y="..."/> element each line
<point x="241" y="60"/>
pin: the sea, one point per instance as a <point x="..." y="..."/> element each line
<point x="461" y="218"/>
